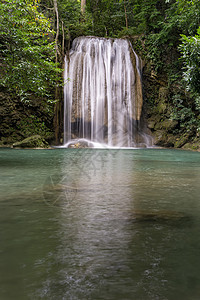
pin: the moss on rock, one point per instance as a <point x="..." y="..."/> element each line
<point x="194" y="145"/>
<point x="162" y="138"/>
<point x="35" y="141"/>
<point x="20" y="120"/>
<point x="182" y="140"/>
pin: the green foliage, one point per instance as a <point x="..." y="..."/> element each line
<point x="188" y="15"/>
<point x="148" y="15"/>
<point x="74" y="23"/>
<point x="182" y="112"/>
<point x="33" y="125"/>
<point x="109" y="17"/>
<point x="190" y="50"/>
<point x="28" y="50"/>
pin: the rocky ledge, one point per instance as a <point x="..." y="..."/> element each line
<point x="35" y="141"/>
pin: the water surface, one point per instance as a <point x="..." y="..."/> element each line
<point x="99" y="224"/>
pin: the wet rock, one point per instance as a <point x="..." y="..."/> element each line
<point x="35" y="141"/>
<point x="80" y="144"/>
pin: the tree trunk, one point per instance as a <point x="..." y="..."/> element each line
<point x="83" y="4"/>
<point x="57" y="29"/>
<point x="125" y="14"/>
<point x="63" y="41"/>
<point x="57" y="105"/>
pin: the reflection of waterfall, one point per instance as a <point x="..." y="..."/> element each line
<point x="103" y="93"/>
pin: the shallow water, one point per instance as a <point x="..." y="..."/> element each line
<point x="99" y="224"/>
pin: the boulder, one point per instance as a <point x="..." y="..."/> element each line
<point x="194" y="145"/>
<point x="182" y="140"/>
<point x="80" y="144"/>
<point x="164" y="139"/>
<point x="169" y="124"/>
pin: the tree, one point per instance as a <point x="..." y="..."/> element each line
<point x="28" y="50"/>
<point x="190" y="50"/>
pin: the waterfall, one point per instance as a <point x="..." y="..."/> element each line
<point x="103" y="93"/>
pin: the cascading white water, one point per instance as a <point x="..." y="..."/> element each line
<point x="102" y="93"/>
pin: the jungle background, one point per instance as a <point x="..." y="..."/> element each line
<point x="36" y="35"/>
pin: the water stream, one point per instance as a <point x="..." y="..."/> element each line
<point x="103" y="94"/>
<point x="99" y="224"/>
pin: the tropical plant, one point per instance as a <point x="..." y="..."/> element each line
<point x="27" y="50"/>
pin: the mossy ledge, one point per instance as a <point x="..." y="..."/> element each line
<point x="35" y="141"/>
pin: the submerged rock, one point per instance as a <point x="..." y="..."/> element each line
<point x="35" y="141"/>
<point x="168" y="217"/>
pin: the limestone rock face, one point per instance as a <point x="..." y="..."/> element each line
<point x="162" y="138"/>
<point x="35" y="141"/>
<point x="193" y="145"/>
<point x="19" y="120"/>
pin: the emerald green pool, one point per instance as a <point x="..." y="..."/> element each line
<point x="99" y="224"/>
